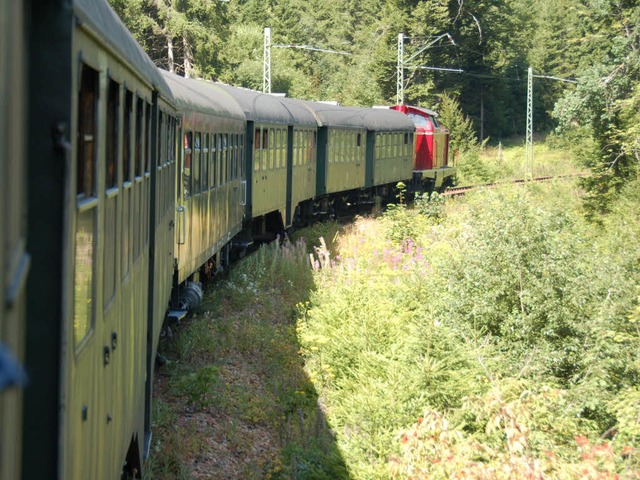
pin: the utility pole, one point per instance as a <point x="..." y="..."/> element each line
<point x="266" y="62"/>
<point x="266" y="56"/>
<point x="402" y="63"/>
<point x="400" y="71"/>
<point x="529" y="135"/>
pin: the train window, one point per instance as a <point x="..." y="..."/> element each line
<point x="272" y="148"/>
<point x="169" y="140"/>
<point x="209" y="143"/>
<point x="87" y="111"/>
<point x="237" y="155"/>
<point x="256" y="150"/>
<point x="296" y="147"/>
<point x="282" y="160"/>
<point x="195" y="164"/>
<point x="225" y="156"/>
<point x="218" y="159"/>
<point x="232" y="153"/>
<point x="212" y="161"/>
<point x="230" y="147"/>
<point x="388" y="145"/>
<point x="334" y="147"/>
<point x="434" y="121"/>
<point x="147" y="137"/>
<point x="241" y="157"/>
<point x="302" y="147"/>
<point x="159" y="142"/>
<point x="345" y="146"/>
<point x="359" y="140"/>
<point x="111" y="164"/>
<point x="111" y="202"/>
<point x="264" y="155"/>
<point x="138" y="139"/>
<point x="204" y="162"/>
<point x="418" y="120"/>
<point x="186" y="165"/>
<point x="126" y="157"/>
<point x="85" y="225"/>
<point x="353" y="144"/>
<point x="275" y="146"/>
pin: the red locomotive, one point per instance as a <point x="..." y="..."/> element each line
<point x="431" y="162"/>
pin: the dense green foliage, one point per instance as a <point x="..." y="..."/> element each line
<point x="596" y="42"/>
<point x="494" y="337"/>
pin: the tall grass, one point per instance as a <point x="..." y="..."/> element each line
<point x="244" y="406"/>
<point x="507" y="161"/>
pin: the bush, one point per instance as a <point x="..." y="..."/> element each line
<point x="505" y="316"/>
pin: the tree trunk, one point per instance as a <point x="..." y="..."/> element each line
<point x="170" y="57"/>
<point x="188" y="57"/>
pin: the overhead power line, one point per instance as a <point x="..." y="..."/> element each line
<point x="555" y="78"/>
<point x="266" y="57"/>
<point x="315" y="49"/>
<point x="440" y="69"/>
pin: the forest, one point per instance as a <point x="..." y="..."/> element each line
<point x="584" y="56"/>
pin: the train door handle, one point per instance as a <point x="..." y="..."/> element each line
<point x="182" y="218"/>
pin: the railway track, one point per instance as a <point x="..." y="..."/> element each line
<point x="457" y="191"/>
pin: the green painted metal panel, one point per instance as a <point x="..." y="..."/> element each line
<point x="287" y="220"/>
<point x="248" y="168"/>
<point x="50" y="104"/>
<point x="321" y="166"/>
<point x="371" y="150"/>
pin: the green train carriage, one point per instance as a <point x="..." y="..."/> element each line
<point x="281" y="138"/>
<point x="211" y="195"/>
<point x="101" y="204"/>
<point x="361" y="152"/>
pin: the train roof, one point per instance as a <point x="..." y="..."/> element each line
<point x="413" y="109"/>
<point x="329" y="115"/>
<point x="202" y="97"/>
<point x="264" y="108"/>
<point x="104" y="22"/>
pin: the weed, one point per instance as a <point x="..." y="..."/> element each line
<point x="201" y="388"/>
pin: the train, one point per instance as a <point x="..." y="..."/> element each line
<point x="124" y="185"/>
